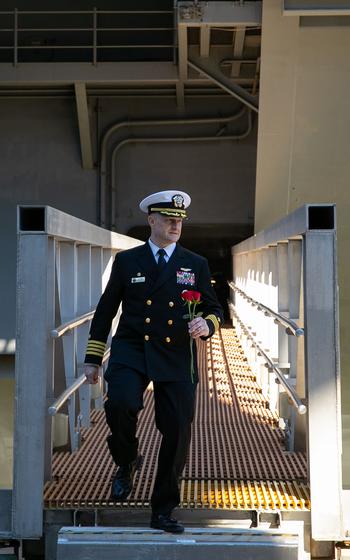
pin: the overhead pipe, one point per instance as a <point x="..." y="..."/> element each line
<point x="164" y="140"/>
<point x="142" y="123"/>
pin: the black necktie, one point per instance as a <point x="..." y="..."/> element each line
<point x="161" y="260"/>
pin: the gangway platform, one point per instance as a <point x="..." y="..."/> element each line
<point x="237" y="459"/>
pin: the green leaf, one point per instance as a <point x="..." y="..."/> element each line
<point x="186" y="316"/>
<point x="199" y="314"/>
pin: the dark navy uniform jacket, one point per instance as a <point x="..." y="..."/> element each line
<point x="152" y="335"/>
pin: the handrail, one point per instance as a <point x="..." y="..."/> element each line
<point x="70" y="325"/>
<point x="296" y="401"/>
<point x="291" y="326"/>
<point x="59" y="402"/>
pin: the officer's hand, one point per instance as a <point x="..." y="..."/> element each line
<point x="91" y="373"/>
<point x="198" y="327"/>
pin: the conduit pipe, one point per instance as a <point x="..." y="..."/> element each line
<point x="163" y="140"/>
<point x="159" y="122"/>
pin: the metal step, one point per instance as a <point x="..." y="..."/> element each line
<point x="107" y="543"/>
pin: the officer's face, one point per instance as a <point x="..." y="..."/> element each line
<point x="164" y="230"/>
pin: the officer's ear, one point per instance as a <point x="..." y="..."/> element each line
<point x="151" y="219"/>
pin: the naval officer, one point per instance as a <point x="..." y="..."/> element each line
<point x="152" y="343"/>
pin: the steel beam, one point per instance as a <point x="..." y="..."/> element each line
<point x="210" y="543"/>
<point x="67" y="73"/>
<point x="220" y="13"/>
<point x="303" y="8"/>
<point x="180" y="94"/>
<point x="238" y="47"/>
<point x="205" y="41"/>
<point x="183" y="52"/>
<point x="211" y="70"/>
<point x="84" y="125"/>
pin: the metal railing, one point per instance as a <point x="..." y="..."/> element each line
<point x="65" y="396"/>
<point x="291" y="327"/>
<point x="63" y="266"/>
<point x="71" y="325"/>
<point x="280" y="377"/>
<point x="33" y="36"/>
<point x="284" y="276"/>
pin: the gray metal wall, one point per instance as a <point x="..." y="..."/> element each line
<point x="40" y="163"/>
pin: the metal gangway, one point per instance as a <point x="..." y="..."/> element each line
<point x="268" y="406"/>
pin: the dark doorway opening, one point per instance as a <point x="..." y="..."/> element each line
<point x="213" y="241"/>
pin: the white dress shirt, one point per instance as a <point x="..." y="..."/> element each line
<point x="169" y="249"/>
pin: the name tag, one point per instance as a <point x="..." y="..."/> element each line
<point x="138" y="279"/>
<point x="183" y="277"/>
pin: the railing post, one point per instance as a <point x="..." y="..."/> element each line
<point x="67" y="291"/>
<point x="83" y="303"/>
<point x="34" y="379"/>
<point x="294" y="269"/>
<point x="94" y="48"/>
<point x="50" y="380"/>
<point x="273" y="304"/>
<point x="15" y="37"/>
<point x="323" y="383"/>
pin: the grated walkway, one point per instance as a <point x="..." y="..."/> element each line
<point x="236" y="460"/>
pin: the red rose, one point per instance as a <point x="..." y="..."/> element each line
<point x="187" y="295"/>
<point x="196" y="296"/>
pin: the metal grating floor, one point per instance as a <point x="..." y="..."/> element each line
<point x="236" y="460"/>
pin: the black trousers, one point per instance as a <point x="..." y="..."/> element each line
<point x="174" y="410"/>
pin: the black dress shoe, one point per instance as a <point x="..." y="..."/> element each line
<point x="123" y="480"/>
<point x="166" y="523"/>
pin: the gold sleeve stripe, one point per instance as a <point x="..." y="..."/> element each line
<point x="93" y="353"/>
<point x="97" y="343"/>
<point x="214" y="320"/>
<point x="95" y="348"/>
<point x="99" y="349"/>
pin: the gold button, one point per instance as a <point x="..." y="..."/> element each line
<point x="146" y="337"/>
<point x="167" y="339"/>
<point x="149" y="302"/>
<point x="171" y="304"/>
<point x="170" y="322"/>
<point x="148" y="320"/>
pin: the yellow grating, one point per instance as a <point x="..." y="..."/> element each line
<point x="236" y="460"/>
